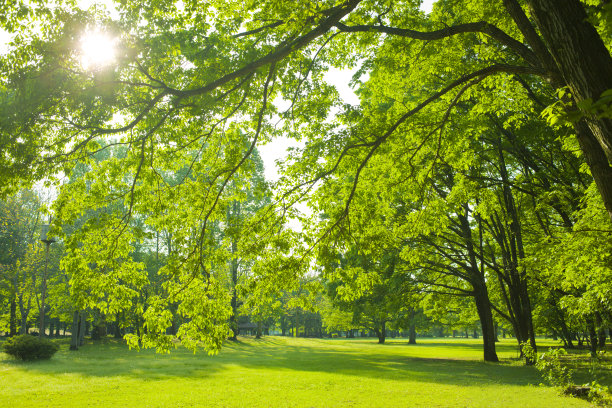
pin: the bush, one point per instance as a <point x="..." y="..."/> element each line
<point x="549" y="364"/>
<point x="26" y="347"/>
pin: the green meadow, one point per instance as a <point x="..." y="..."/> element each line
<point x="281" y="372"/>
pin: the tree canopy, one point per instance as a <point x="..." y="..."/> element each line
<point x="480" y="127"/>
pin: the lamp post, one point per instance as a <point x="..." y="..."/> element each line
<point x="48" y="241"/>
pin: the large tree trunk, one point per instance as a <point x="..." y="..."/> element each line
<point x="480" y="291"/>
<point x="381" y="333"/>
<point x="23" y="329"/>
<point x="597" y="161"/>
<point x="481" y="298"/>
<point x="98" y="328"/>
<point x="258" y="333"/>
<point x="601" y="338"/>
<point x="412" y="332"/>
<point x="585" y="65"/>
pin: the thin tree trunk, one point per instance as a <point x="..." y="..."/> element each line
<point x="74" y="338"/>
<point x="82" y="327"/>
<point x="567" y="336"/>
<point x="592" y="337"/>
<point x="43" y="298"/>
<point x="601" y="332"/>
<point x="480" y="291"/>
<point x="13" y="317"/>
<point x="412" y="332"/>
<point x="513" y="253"/>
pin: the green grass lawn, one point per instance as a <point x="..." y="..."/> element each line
<point x="281" y="372"/>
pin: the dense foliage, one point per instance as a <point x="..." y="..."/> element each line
<point x="26" y="347"/>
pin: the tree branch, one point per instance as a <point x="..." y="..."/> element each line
<point x="476" y="27"/>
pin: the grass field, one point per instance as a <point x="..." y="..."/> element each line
<point x="281" y="372"/>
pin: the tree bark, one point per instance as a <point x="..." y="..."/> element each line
<point x="258" y="334"/>
<point x="483" y="307"/>
<point x="82" y="327"/>
<point x="232" y="218"/>
<point x="601" y="332"/>
<point x="601" y="341"/>
<point x="592" y="337"/>
<point x="43" y="297"/>
<point x="117" y="328"/>
<point x="381" y="333"/>
<point x="13" y="317"/>
<point x="585" y="65"/>
<point x="412" y="335"/>
<point x="480" y="291"/>
<point x="74" y="338"/>
<point x="567" y="336"/>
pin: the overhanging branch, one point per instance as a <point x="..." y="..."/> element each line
<point x="476" y="27"/>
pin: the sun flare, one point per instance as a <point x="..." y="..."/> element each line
<point x="97" y="49"/>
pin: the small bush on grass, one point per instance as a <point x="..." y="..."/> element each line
<point x="549" y="364"/>
<point x="28" y="348"/>
<point x="558" y="375"/>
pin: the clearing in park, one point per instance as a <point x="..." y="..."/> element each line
<point x="283" y="372"/>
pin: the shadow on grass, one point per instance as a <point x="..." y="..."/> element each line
<point x="387" y="362"/>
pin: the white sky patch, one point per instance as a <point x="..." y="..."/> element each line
<point x="5" y="39"/>
<point x="340" y="78"/>
<point x="97" y="49"/>
<point x="426" y="5"/>
<point x="277" y="149"/>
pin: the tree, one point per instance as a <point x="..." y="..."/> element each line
<point x="569" y="53"/>
<point x="20" y="255"/>
<point x="368" y="287"/>
<point x="190" y="93"/>
<point x="255" y="195"/>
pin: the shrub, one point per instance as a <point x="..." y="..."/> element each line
<point x="549" y="364"/>
<point x="26" y="347"/>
